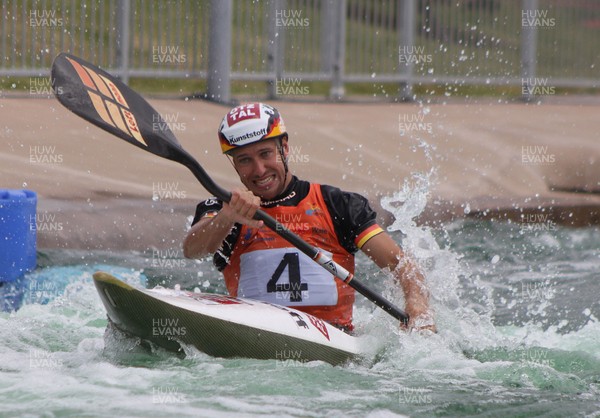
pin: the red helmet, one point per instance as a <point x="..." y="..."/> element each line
<point x="250" y="123"/>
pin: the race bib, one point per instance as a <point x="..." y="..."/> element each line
<point x="286" y="276"/>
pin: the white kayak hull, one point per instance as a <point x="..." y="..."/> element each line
<point x="222" y="326"/>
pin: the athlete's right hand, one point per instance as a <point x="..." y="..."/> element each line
<point x="242" y="207"/>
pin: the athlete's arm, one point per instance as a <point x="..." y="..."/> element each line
<point x="207" y="235"/>
<point x="356" y="226"/>
<point x="384" y="252"/>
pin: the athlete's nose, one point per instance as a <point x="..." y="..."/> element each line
<point x="259" y="168"/>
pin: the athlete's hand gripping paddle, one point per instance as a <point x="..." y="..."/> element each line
<point x="105" y="101"/>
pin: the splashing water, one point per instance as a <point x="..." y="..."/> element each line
<point x="501" y="299"/>
<point x="472" y="296"/>
<point x="462" y="323"/>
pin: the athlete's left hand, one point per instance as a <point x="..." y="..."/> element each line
<point x="420" y="319"/>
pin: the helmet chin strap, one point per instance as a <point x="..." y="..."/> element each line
<point x="283" y="158"/>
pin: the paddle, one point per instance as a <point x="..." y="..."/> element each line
<point x="103" y="100"/>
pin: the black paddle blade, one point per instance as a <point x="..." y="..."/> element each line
<point x="108" y="103"/>
<point x="102" y="99"/>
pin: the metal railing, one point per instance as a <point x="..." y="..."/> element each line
<point x="285" y="43"/>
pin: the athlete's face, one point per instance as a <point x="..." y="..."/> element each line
<point x="261" y="168"/>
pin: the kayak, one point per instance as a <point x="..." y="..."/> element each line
<point x="222" y="326"/>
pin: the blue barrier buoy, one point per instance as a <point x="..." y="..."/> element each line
<point x="17" y="244"/>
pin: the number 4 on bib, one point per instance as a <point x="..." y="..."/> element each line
<point x="294" y="287"/>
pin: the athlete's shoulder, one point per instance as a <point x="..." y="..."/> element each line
<point x="351" y="214"/>
<point x="338" y="197"/>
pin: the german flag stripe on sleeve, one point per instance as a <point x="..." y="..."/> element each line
<point x="210" y="214"/>
<point x="367" y="234"/>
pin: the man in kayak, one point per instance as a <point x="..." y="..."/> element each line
<point x="259" y="264"/>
